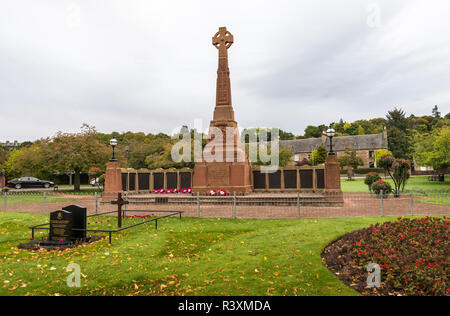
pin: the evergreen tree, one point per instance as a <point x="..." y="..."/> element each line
<point x="398" y="134"/>
<point x="436" y="113"/>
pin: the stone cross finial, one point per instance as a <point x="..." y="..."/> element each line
<point x="222" y="39"/>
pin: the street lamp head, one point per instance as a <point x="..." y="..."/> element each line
<point x="113" y="142"/>
<point x="331" y="132"/>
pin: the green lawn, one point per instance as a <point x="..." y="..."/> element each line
<point x="189" y="256"/>
<point x="90" y="191"/>
<point x="420" y="183"/>
<point x="33" y="198"/>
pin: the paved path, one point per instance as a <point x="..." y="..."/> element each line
<point x="355" y="205"/>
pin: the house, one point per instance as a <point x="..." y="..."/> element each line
<point x="365" y="146"/>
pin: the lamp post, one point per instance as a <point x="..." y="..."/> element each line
<point x="330" y="134"/>
<point x="113" y="143"/>
<point x="127" y="150"/>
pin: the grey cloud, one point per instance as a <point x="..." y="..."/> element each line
<point x="149" y="66"/>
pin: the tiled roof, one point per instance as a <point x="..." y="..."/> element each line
<point x="358" y="142"/>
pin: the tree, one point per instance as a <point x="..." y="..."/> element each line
<point x="76" y="152"/>
<point x="318" y="156"/>
<point x="284" y="156"/>
<point x="436" y="113"/>
<point x="398" y="170"/>
<point x="28" y="161"/>
<point x="398" y="134"/>
<point x="286" y="135"/>
<point x="312" y="131"/>
<point x="350" y="159"/>
<point x="361" y="130"/>
<point x="433" y="149"/>
<point x="381" y="152"/>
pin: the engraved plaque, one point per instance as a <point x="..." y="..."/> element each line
<point x="218" y="175"/>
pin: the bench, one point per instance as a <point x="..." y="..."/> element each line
<point x="436" y="177"/>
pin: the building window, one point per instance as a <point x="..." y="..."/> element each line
<point x="296" y="157"/>
<point x="371" y="154"/>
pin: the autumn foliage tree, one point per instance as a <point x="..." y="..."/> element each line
<point x="76" y="152"/>
<point x="28" y="160"/>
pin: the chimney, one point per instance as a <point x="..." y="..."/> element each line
<point x="385" y="136"/>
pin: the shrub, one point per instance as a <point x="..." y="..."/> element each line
<point x="398" y="170"/>
<point x="319" y="156"/>
<point x="367" y="170"/>
<point x="381" y="186"/>
<point x="370" y="179"/>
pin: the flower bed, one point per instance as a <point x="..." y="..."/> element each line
<point x="412" y="254"/>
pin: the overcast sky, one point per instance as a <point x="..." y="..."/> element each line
<point x="150" y="66"/>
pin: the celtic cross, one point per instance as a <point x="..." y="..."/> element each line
<point x="223" y="39"/>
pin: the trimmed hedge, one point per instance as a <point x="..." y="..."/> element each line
<point x="364" y="170"/>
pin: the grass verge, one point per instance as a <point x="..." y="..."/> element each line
<point x="184" y="257"/>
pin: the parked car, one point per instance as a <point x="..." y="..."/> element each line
<point x="29" y="182"/>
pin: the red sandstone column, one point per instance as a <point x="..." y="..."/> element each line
<point x="2" y="181"/>
<point x="333" y="179"/>
<point x="113" y="181"/>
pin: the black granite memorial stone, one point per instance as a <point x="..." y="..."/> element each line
<point x="306" y="179"/>
<point x="61" y="223"/>
<point x="290" y="179"/>
<point x="185" y="180"/>
<point x="132" y="182"/>
<point x="275" y="180"/>
<point x="158" y="180"/>
<point x="171" y="180"/>
<point x="320" y="175"/>
<point x="144" y="181"/>
<point x="124" y="181"/>
<point x="79" y="215"/>
<point x="259" y="180"/>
